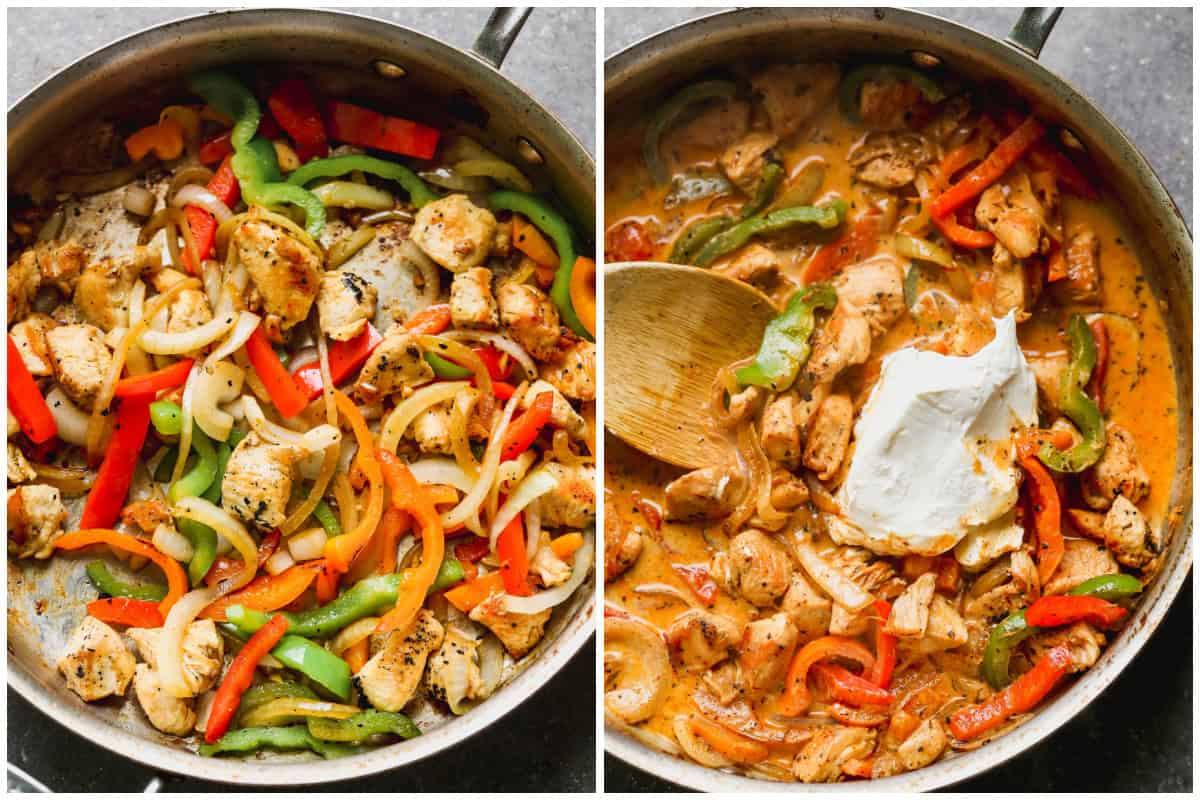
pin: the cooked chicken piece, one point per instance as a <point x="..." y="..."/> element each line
<point x="843" y="341"/>
<point x="946" y="629"/>
<point x="551" y="569"/>
<point x="1014" y="287"/>
<point x="1023" y="589"/>
<point x="54" y="263"/>
<point x="844" y="622"/>
<point x="1130" y="538"/>
<point x="454" y="674"/>
<point x="743" y="161"/>
<point x="574" y="371"/>
<point x="24" y="278"/>
<point x="96" y="663"/>
<point x="717" y="125"/>
<point x="35" y="520"/>
<point x="863" y="567"/>
<point x="829" y="436"/>
<point x="983" y="544"/>
<point x="345" y="304"/>
<point x="888" y="105"/>
<point x="808" y="608"/>
<point x="910" y="612"/>
<point x="431" y="429"/>
<point x="395" y="268"/>
<point x="792" y="93"/>
<point x="390" y="678"/>
<point x="30" y="338"/>
<point x="1084" y="642"/>
<point x="724" y="682"/>
<point x="472" y="304"/>
<point x="876" y="288"/>
<point x="830" y="747"/>
<point x="1118" y="472"/>
<point x="562" y="413"/>
<point x="455" y="232"/>
<point x="1016" y="227"/>
<point x="807" y="404"/>
<point x="753" y="264"/>
<point x="924" y="745"/>
<point x="787" y="491"/>
<point x="14" y="427"/>
<point x="744" y="404"/>
<point x="102" y="293"/>
<point x="889" y="161"/>
<point x="147" y="515"/>
<point x="766" y="651"/>
<point x="61" y="263"/>
<point x="701" y="639"/>
<point x="622" y="543"/>
<point x="168" y="713"/>
<point x="706" y="493"/>
<point x="19" y="468"/>
<point x="519" y="633"/>
<point x="203" y="653"/>
<point x="1082" y="257"/>
<point x="285" y="273"/>
<point x="972" y="330"/>
<point x="573" y="503"/>
<point x="189" y="310"/>
<point x="531" y="319"/>
<point x="81" y="361"/>
<point x="1081" y="560"/>
<point x="1048" y="371"/>
<point x="397" y="362"/>
<point x="755" y="566"/>
<point x="780" y="435"/>
<point x="258" y="481"/>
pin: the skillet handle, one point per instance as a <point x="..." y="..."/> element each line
<point x="499" y="33"/>
<point x="1032" y="29"/>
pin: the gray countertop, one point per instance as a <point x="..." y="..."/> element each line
<point x="549" y="743"/>
<point x="1136" y="65"/>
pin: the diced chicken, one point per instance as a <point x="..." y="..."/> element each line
<point x="744" y="404"/>
<point x="706" y="493"/>
<point x="147" y="515"/>
<point x="454" y="674"/>
<point x="1048" y="372"/>
<point x="286" y="274"/>
<point x="889" y="161"/>
<point x="700" y="639"/>
<point x="96" y="663"/>
<point x="787" y="491"/>
<point x="168" y="713"/>
<point x="531" y="318"/>
<point x="573" y="372"/>
<point x="983" y="544"/>
<point x="876" y="288"/>
<point x="203" y="653"/>
<point x="572" y="504"/>
<point x="829" y="436"/>
<point x="61" y="263"/>
<point x="431" y="429"/>
<point x="755" y="566"/>
<point x="1016" y="227"/>
<point x="822" y="757"/>
<point x="472" y="304"/>
<point x="30" y="338"/>
<point x="81" y="361"/>
<point x="102" y="293"/>
<point x="1013" y="285"/>
<point x="258" y="481"/>
<point x="753" y="264"/>
<point x="972" y="330"/>
<point x="808" y="608"/>
<point x="1082" y="640"/>
<point x="724" y="681"/>
<point x="844" y="340"/>
<point x="910" y="612"/>
<point x="1129" y="537"/>
<point x="792" y="93"/>
<point x="766" y="651"/>
<point x="946" y="629"/>
<point x="562" y="413"/>
<point x="19" y="468"/>
<point x="780" y="434"/>
<point x="743" y="161"/>
<point x="24" y="278"/>
<point x="55" y="263"/>
<point x="924" y="745"/>
<point x="519" y="633"/>
<point x="844" y="622"/>
<point x="397" y="270"/>
<point x="1082" y="258"/>
<point x="35" y="520"/>
<point x="397" y="362"/>
<point x="455" y="232"/>
<point x="545" y="564"/>
<point x="189" y="310"/>
<point x="1081" y="560"/>
<point x="345" y="304"/>
<point x="888" y="105"/>
<point x="863" y="567"/>
<point x="1118" y="472"/>
<point x="391" y="676"/>
<point x="622" y="543"/>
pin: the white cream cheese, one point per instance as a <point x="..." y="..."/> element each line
<point x="933" y="459"/>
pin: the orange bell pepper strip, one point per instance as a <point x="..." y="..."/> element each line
<point x="860" y="241"/>
<point x="1100" y="371"/>
<point x="1056" y="265"/>
<point x="25" y="399"/>
<point x="240" y="674"/>
<point x="733" y="746"/>
<point x="881" y="671"/>
<point x="392" y="526"/>
<point x="409" y="495"/>
<point x="126" y="611"/>
<point x="1007" y="152"/>
<point x="430" y="320"/>
<point x="524" y="429"/>
<point x="164" y="138"/>
<point x="514" y="561"/>
<point x="341" y="550"/>
<point x="289" y="400"/>
<point x="1020" y="696"/>
<point x="1053" y="611"/>
<point x="565" y="546"/>
<point x="351" y="124"/>
<point x="797" y="697"/>
<point x="467" y="595"/>
<point x="327" y="584"/>
<point x="177" y="580"/>
<point x="1047" y="510"/>
<point x="267" y="592"/>
<point x="583" y="292"/>
<point x="530" y="241"/>
<point x="847" y="687"/>
<point x="152" y="383"/>
<point x="356" y="655"/>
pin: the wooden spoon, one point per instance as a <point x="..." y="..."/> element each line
<point x="668" y="329"/>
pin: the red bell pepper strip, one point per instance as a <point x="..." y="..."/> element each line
<point x="503" y="390"/>
<point x="1047" y="510"/>
<point x="344" y="358"/>
<point x="240" y="674"/>
<point x="224" y="187"/>
<point x="1018" y="697"/>
<point x="353" y="124"/>
<point x="1100" y="371"/>
<point x="525" y="428"/>
<point x="287" y="396"/>
<point x="107" y="497"/>
<point x="177" y="580"/>
<point x="126" y="611"/>
<point x="223" y="567"/>
<point x="880" y="673"/>
<point x="1056" y="610"/>
<point x="267" y="592"/>
<point x="514" y="561"/>
<point x="214" y="150"/>
<point x="1006" y="153"/>
<point x="698" y="580"/>
<point x="294" y="109"/>
<point x="152" y="383"/>
<point x="471" y="551"/>
<point x="25" y="400"/>
<point x="797" y="697"/>
<point x="268" y="127"/>
<point x="498" y="366"/>
<point x="844" y="685"/>
<point x="430" y="320"/>
<point x="859" y="242"/>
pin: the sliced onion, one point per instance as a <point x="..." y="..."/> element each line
<point x="498" y="170"/>
<point x="185" y="431"/>
<point x="419" y="401"/>
<point x="470" y="504"/>
<point x="71" y="481"/>
<point x="491" y="666"/>
<point x="188" y="176"/>
<point x="307" y="545"/>
<point x="449" y="178"/>
<point x="137" y="301"/>
<point x="552" y="597"/>
<point x="139" y="200"/>
<point x="696" y="748"/>
<point x="460" y="441"/>
<point x="344" y="249"/>
<point x="760" y="476"/>
<point x="71" y="421"/>
<point x="837" y="585"/>
<point x="279" y="562"/>
<point x="352" y="634"/>
<point x="241" y="333"/>
<point x="533" y="529"/>
<point x="217" y="383"/>
<point x="442" y="472"/>
<point x="220" y="520"/>
<point x="175" y="344"/>
<point x="392" y="215"/>
<point x="501" y="343"/>
<point x="173" y="543"/>
<point x="303" y="358"/>
<point x="169" y="652"/>
<point x="193" y="195"/>
<point x="319" y="438"/>
<point x="466" y="357"/>
<point x="214" y="283"/>
<point x="343" y="492"/>
<point x="429" y="271"/>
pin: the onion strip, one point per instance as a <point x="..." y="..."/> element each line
<point x="536" y="484"/>
<point x="501" y="343"/>
<point x="193" y="195"/>
<point x="541" y="601"/>
<point x="221" y="521"/>
<point x="471" y="503"/>
<point x="403" y="415"/>
<point x="161" y="343"/>
<point x="169" y="652"/>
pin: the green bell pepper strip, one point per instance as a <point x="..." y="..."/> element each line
<point x="551" y="223"/>
<point x="166" y="464"/>
<point x="851" y="85"/>
<point x="447" y="369"/>
<point x="318" y="664"/>
<point x="371" y="722"/>
<point x="336" y="166"/>
<point x="669" y="112"/>
<point x="291" y="737"/>
<point x="262" y="693"/>
<point x="772" y="176"/>
<point x="329" y="521"/>
<point x="107" y="584"/>
<point x="695" y="236"/>
<point x="204" y="548"/>
<point x="1109" y="587"/>
<point x="229" y="96"/>
<point x="197" y="480"/>
<point x="257" y="171"/>
<point x="1076" y="404"/>
<point x="785" y="347"/>
<point x="825" y="217"/>
<point x="166" y="417"/>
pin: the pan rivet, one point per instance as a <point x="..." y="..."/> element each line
<point x="389" y="69"/>
<point x="528" y="152"/>
<point x="924" y="60"/>
<point x="1070" y="140"/>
